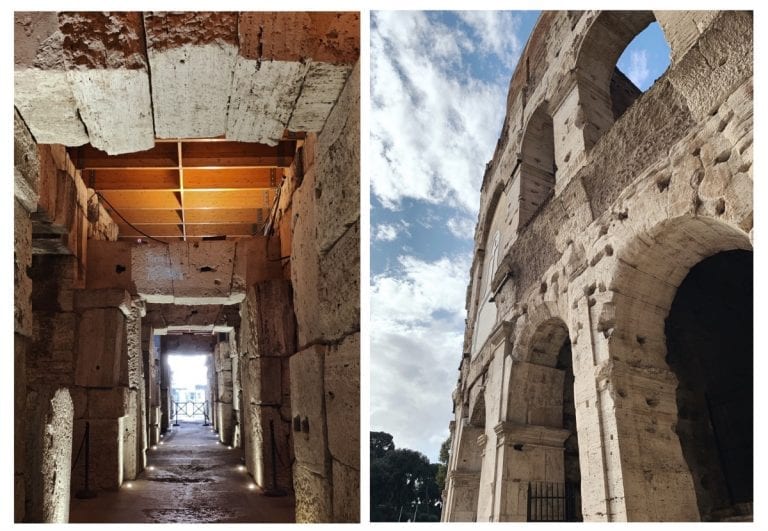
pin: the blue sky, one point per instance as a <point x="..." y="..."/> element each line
<point x="439" y="83"/>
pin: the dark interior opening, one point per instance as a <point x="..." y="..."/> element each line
<point x="571" y="454"/>
<point x="710" y="349"/>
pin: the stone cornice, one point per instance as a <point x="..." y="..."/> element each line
<point x="509" y="433"/>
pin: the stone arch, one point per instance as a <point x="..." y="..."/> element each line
<point x="604" y="92"/>
<point x="540" y="400"/>
<point x="649" y="272"/>
<point x="537" y="165"/>
<point x="650" y="268"/>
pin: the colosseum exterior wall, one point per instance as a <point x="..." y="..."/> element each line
<point x="598" y="202"/>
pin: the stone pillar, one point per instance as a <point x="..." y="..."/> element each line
<point x="224" y="395"/>
<point x="102" y="369"/>
<point x="268" y="339"/>
<point x="49" y="423"/>
<point x="526" y="453"/>
<point x="153" y="382"/>
<point x="165" y="390"/>
<point x="463" y="478"/>
<point x="26" y="173"/>
<point x="133" y="446"/>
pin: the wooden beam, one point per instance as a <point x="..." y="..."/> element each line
<point x="244" y="229"/>
<point x="132" y="179"/>
<point x="142" y="199"/>
<point x="238" y="154"/>
<point x="161" y="156"/>
<point x="229" y="199"/>
<point x="195" y="178"/>
<point x="143" y="217"/>
<point x="230" y="215"/>
<point x="156" y="231"/>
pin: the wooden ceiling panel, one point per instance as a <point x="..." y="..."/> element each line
<point x="247" y="229"/>
<point x="197" y="188"/>
<point x="142" y="217"/>
<point x="132" y="179"/>
<point x="228" y="199"/>
<point x="227" y="216"/>
<point x="142" y="199"/>
<point x="161" y="156"/>
<point x="237" y="154"/>
<point x="156" y="231"/>
<point x="195" y="178"/>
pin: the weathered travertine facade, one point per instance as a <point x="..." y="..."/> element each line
<point x="277" y="313"/>
<point x="609" y="309"/>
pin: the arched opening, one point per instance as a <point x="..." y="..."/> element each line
<point x="558" y="500"/>
<point x="709" y="347"/>
<point x="608" y="86"/>
<point x="537" y="166"/>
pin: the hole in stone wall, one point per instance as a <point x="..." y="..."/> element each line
<point x="709" y="347"/>
<point x="207" y="269"/>
<point x="119" y="269"/>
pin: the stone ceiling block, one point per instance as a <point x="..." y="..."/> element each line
<point x="321" y="89"/>
<point x="192" y="58"/>
<point x="262" y="100"/>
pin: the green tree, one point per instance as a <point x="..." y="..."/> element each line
<point x="442" y="467"/>
<point x="403" y="486"/>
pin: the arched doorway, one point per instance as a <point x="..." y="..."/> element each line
<point x="709" y="348"/>
<point x="552" y="404"/>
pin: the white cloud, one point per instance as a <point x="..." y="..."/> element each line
<point x="417" y="317"/>
<point x="433" y="126"/>
<point x="638" y="71"/>
<point x="385" y="232"/>
<point x="462" y="227"/>
<point x="496" y="32"/>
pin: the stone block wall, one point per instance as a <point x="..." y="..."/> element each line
<point x="639" y="199"/>
<point x="325" y="392"/>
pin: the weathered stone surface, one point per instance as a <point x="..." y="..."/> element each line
<point x="313" y="495"/>
<point x="116" y="108"/>
<point x="47" y="103"/>
<point x="322" y="85"/>
<point x="307" y="403"/>
<point x="263" y="97"/>
<point x="328" y="37"/>
<point x="49" y="444"/>
<point x="104" y="298"/>
<point x="641" y="195"/>
<point x="109" y="403"/>
<point x="26" y="166"/>
<point x="342" y="401"/>
<point x="337" y="155"/>
<point x="22" y="259"/>
<point x="100" y="347"/>
<point x="346" y="493"/>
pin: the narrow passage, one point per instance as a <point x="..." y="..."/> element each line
<point x="190" y="478"/>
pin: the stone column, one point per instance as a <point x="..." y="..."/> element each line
<point x="165" y="390"/>
<point x="101" y="368"/>
<point x="463" y="478"/>
<point x="224" y="395"/>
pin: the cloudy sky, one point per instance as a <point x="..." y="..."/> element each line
<point x="438" y="88"/>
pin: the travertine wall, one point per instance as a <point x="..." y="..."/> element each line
<point x="590" y="219"/>
<point x="325" y="264"/>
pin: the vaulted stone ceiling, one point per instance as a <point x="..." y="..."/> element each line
<point x="119" y="81"/>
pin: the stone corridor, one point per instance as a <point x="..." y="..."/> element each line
<point x="190" y="478"/>
<point x="187" y="183"/>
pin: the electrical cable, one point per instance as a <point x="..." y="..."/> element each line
<point x="128" y="222"/>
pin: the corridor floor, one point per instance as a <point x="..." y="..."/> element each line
<point x="190" y="478"/>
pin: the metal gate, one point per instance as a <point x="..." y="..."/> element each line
<point x="554" y="502"/>
<point x="190" y="409"/>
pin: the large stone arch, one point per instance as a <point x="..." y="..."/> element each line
<point x="536" y="181"/>
<point x="648" y="271"/>
<point x="605" y="40"/>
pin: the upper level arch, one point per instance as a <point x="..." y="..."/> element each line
<point x="604" y="92"/>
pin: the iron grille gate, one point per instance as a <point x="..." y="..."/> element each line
<point x="190" y="409"/>
<point x="553" y="502"/>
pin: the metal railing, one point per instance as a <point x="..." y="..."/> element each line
<point x="554" y="502"/>
<point x="190" y="409"/>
